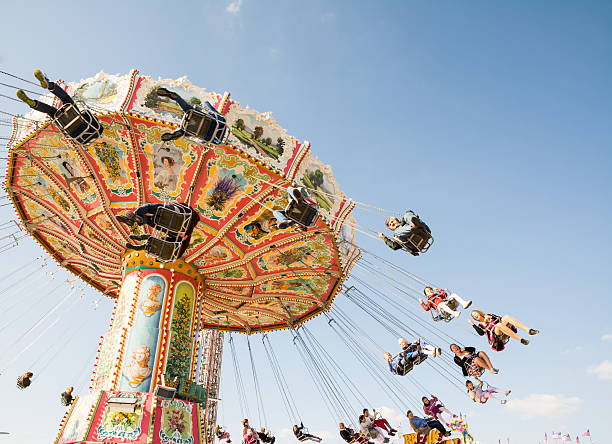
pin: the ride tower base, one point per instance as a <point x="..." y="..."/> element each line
<point x="142" y="388"/>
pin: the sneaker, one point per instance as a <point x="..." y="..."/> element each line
<point x="163" y="92"/>
<point x="439" y="350"/>
<point x="386" y="440"/>
<point x="468" y="303"/>
<point x="434" y="353"/>
<point x="44" y="81"/>
<point x="284" y="224"/>
<point x="129" y="219"/>
<point x="167" y="137"/>
<point x="394" y="431"/>
<point x="142" y="237"/>
<point x="533" y="331"/>
<point x="525" y="341"/>
<point x="494" y="371"/>
<point x="503" y="401"/>
<point x="21" y="95"/>
<point x="508" y="392"/>
<point x="135" y="247"/>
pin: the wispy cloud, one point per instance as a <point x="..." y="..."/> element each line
<point x="576" y="349"/>
<point x="544" y="405"/>
<point x="327" y="17"/>
<point x="607" y="337"/>
<point x="234" y="7"/>
<point x="602" y="371"/>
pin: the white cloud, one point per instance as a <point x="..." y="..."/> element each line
<point x="548" y="406"/>
<point x="394" y="417"/>
<point x="327" y="17"/>
<point x="602" y="371"/>
<point x="607" y="337"/>
<point x="234" y="7"/>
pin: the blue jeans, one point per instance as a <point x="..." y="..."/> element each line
<point x="280" y="215"/>
<point x="147" y="213"/>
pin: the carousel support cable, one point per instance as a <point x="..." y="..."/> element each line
<point x="349" y="327"/>
<point x="369" y="208"/>
<point x="27" y="347"/>
<point x="37" y="323"/>
<point x="405" y="311"/>
<point x="59" y="345"/>
<point x="339" y="370"/>
<point x="260" y="404"/>
<point x="16" y="272"/>
<point x="281" y="382"/>
<point x="381" y="272"/>
<point x="17" y="87"/>
<point x="329" y="404"/>
<point x="31" y="285"/>
<point x="322" y="380"/>
<point x="362" y="358"/>
<point x="242" y="398"/>
<point x="22" y="79"/>
<point x="29" y="308"/>
<point x="412" y="276"/>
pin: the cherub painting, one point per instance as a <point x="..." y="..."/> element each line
<point x="138" y="369"/>
<point x="149" y="302"/>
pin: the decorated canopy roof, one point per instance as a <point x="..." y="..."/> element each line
<point x="258" y="277"/>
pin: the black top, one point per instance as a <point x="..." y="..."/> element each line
<point x="461" y="361"/>
<point x="347" y="434"/>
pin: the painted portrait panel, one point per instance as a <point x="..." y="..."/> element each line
<point x="141" y="350"/>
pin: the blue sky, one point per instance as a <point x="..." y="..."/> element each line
<point x="490" y="119"/>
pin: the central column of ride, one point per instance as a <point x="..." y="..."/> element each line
<point x="150" y="341"/>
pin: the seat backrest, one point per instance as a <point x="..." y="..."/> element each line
<point x="420" y="239"/>
<point x="163" y="250"/>
<point x="169" y="219"/>
<point x="200" y="124"/>
<point x="81" y="126"/>
<point x="301" y="213"/>
<point x="69" y="117"/>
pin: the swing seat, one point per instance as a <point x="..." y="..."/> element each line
<point x="22" y="384"/>
<point x="207" y="126"/>
<point x="302" y="213"/>
<point x="82" y="127"/>
<point x="163" y="250"/>
<point x="170" y="220"/>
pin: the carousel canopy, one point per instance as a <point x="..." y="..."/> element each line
<point x="258" y="277"/>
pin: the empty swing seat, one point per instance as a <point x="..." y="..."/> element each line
<point x="163" y="250"/>
<point x="170" y="220"/>
<point x="207" y="126"/>
<point x="302" y="213"/>
<point x="82" y="127"/>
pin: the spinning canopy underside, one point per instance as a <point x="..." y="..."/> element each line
<point x="257" y="276"/>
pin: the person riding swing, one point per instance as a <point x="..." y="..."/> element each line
<point x="409" y="233"/>
<point x="300" y="210"/>
<point x="444" y="304"/>
<point x="172" y="224"/>
<point x="80" y="126"/>
<point x="205" y="124"/>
